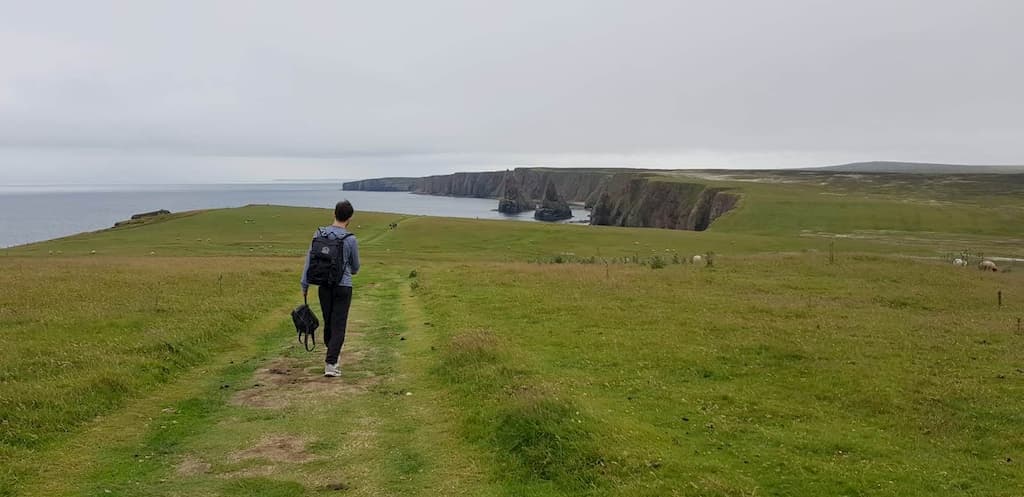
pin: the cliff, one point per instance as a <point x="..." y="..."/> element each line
<point x="381" y="185"/>
<point x="575" y="185"/>
<point x="619" y="197"/>
<point x="634" y="200"/>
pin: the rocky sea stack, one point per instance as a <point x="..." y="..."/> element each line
<point x="552" y="207"/>
<point x="513" y="199"/>
<point x="619" y="197"/>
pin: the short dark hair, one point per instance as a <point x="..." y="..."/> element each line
<point x="343" y="211"/>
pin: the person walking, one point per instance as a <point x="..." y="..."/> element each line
<point x="332" y="261"/>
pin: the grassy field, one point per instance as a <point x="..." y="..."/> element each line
<point x="507" y="359"/>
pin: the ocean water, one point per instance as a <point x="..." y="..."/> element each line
<point x="41" y="212"/>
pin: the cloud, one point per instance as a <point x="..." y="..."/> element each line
<point x="422" y="87"/>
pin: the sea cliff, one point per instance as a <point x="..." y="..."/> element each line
<point x="631" y="200"/>
<point x="619" y="197"/>
<point x="381" y="185"/>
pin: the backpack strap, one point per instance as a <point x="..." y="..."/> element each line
<point x="322" y="232"/>
<point x="308" y="337"/>
<point x="344" y="261"/>
<point x="310" y="341"/>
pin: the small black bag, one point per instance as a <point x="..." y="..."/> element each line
<point x="306" y="324"/>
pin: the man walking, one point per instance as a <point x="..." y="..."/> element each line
<point x="332" y="260"/>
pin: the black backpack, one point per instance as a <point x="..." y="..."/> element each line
<point x="326" y="259"/>
<point x="306" y="324"/>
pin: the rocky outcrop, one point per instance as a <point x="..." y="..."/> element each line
<point x="552" y="207"/>
<point x="161" y="212"/>
<point x="641" y="201"/>
<point x="381" y="185"/>
<point x="618" y="197"/>
<point x="513" y="200"/>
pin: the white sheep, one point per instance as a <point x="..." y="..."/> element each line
<point x="988" y="266"/>
<point x="697" y="259"/>
<point x="959" y="262"/>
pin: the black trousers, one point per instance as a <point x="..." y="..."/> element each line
<point x="335" y="301"/>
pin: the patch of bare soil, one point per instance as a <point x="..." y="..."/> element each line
<point x="286" y="381"/>
<point x="275" y="448"/>
<point x="192" y="466"/>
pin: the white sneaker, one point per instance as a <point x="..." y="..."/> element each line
<point x="331" y="370"/>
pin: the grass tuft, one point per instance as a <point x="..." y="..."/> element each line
<point x="546" y="438"/>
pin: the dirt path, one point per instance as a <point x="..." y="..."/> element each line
<point x="264" y="421"/>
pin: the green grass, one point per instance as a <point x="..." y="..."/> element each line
<point x="493" y="371"/>
<point x="81" y="335"/>
<point x="250" y="231"/>
<point x="773" y="375"/>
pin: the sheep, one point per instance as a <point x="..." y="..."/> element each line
<point x="988" y="266"/>
<point x="959" y="262"/>
<point x="697" y="259"/>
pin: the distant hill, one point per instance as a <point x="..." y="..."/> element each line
<point x="919" y="168"/>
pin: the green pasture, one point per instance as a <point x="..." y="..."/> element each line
<point x="830" y="349"/>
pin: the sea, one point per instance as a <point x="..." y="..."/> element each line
<point x="32" y="213"/>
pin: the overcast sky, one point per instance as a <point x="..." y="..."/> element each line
<point x="206" y="90"/>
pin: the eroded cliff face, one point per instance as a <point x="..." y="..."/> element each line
<point x="381" y="185"/>
<point x="640" y="201"/>
<point x="574" y="185"/>
<point x="480" y="185"/>
<point x="617" y="197"/>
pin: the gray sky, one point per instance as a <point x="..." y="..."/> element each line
<point x="205" y="90"/>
